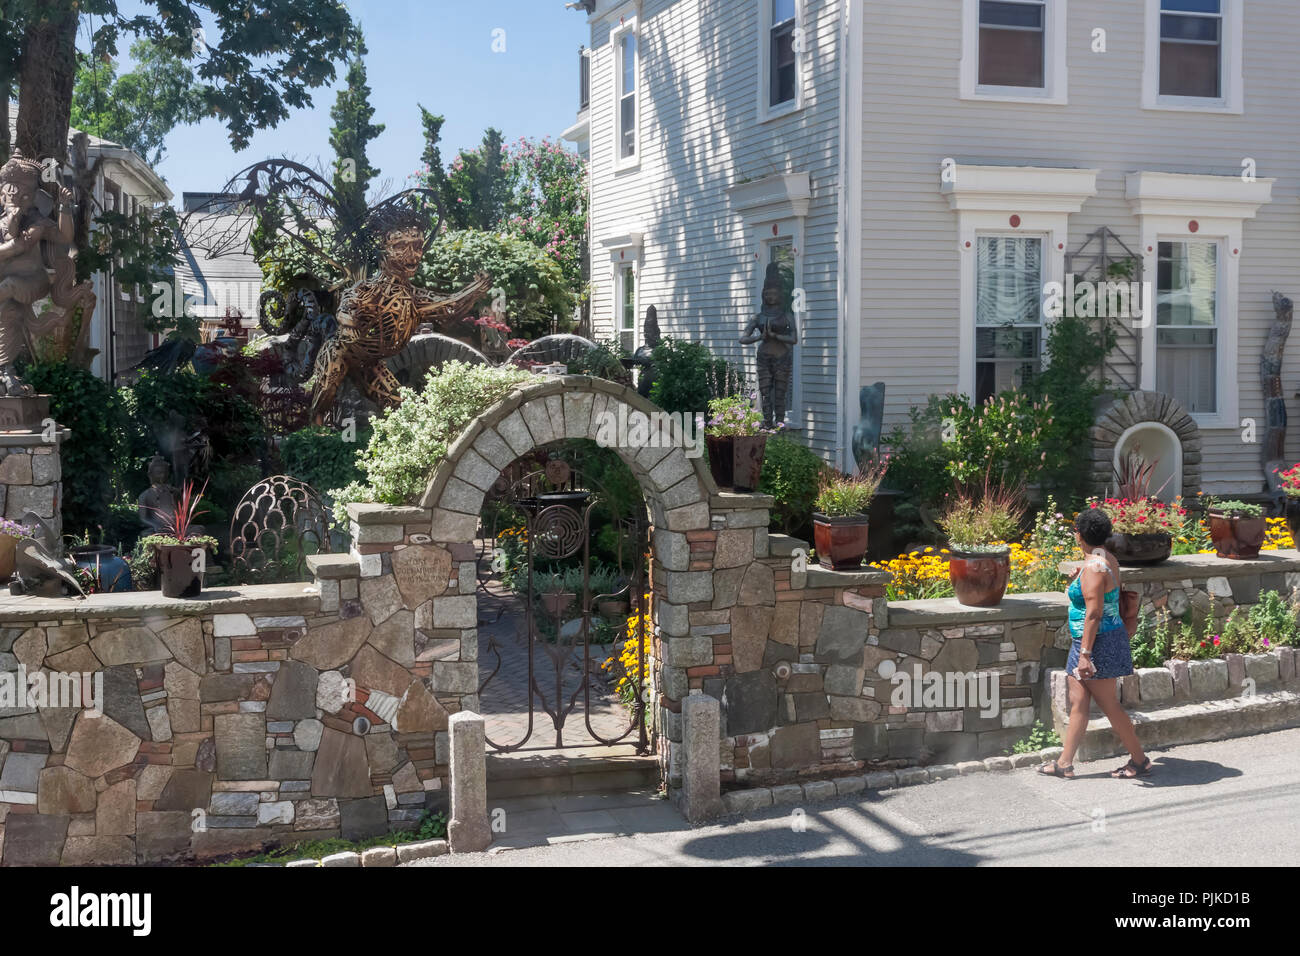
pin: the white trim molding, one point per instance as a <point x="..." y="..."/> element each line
<point x="1009" y="201"/>
<point x="848" y="233"/>
<point x="1232" y="83"/>
<point x="782" y="196"/>
<point x="1055" y="90"/>
<point x="765" y="110"/>
<point x="625" y="245"/>
<point x="1180" y="207"/>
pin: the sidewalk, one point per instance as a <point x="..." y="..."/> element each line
<point x="1228" y="803"/>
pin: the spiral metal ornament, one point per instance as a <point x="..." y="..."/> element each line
<point x="558" y="532"/>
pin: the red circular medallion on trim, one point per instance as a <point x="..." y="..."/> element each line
<point x="1193" y="226"/>
<point x="1015" y="222"/>
<point x="967" y="243"/>
<point x="1236" y="252"/>
<point x="776" y="229"/>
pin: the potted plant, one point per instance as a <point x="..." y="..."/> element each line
<point x="1290" y="483"/>
<point x="840" y="521"/>
<point x="1236" y="528"/>
<point x="979" y="529"/>
<point x="181" y="550"/>
<point x="1142" y="530"/>
<point x="737" y="443"/>
<point x="558" y="591"/>
<point x="10" y="533"/>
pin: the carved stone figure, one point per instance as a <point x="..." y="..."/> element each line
<point x="39" y="572"/>
<point x="643" y="357"/>
<point x="30" y="244"/>
<point x="866" y="433"/>
<point x="159" y="498"/>
<point x="775" y="330"/>
<point x="1273" y="446"/>
<point x="377" y="317"/>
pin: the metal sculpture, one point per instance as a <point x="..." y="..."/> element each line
<point x="31" y="245"/>
<point x="278" y="518"/>
<point x="775" y="330"/>
<point x="1273" y="446"/>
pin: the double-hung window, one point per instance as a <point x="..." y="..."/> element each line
<point x="1008" y="312"/>
<point x="1014" y="50"/>
<point x="626" y="67"/>
<point x="627" y="308"/>
<point x="781" y="64"/>
<point x="1193" y="55"/>
<point x="1187" y="323"/>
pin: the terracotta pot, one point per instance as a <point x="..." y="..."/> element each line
<point x="176" y="573"/>
<point x="841" y="542"/>
<point x="7" y="545"/>
<point x="612" y="610"/>
<point x="557" y="602"/>
<point x="1293" y="519"/>
<point x="1237" y="536"/>
<point x="1135" y="550"/>
<point x="979" y="579"/>
<point x="736" y="462"/>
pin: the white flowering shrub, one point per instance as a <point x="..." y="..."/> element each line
<point x="411" y="439"/>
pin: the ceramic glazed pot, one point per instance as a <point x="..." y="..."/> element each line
<point x="111" y="572"/>
<point x="1237" y="536"/>
<point x="841" y="542"/>
<point x="736" y="462"/>
<point x="176" y="574"/>
<point x="1135" y="550"/>
<point x="979" y="578"/>
<point x="1293" y="519"/>
<point x="7" y="545"/>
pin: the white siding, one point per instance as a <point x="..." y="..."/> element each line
<point x="913" y="119"/>
<point x="699" y="135"/>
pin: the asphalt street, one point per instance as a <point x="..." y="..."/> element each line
<point x="1229" y="803"/>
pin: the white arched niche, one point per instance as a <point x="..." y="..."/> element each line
<point x="1155" y="442"/>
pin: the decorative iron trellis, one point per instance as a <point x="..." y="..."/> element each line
<point x="1104" y="257"/>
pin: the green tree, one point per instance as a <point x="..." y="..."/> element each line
<point x="352" y="132"/>
<point x="480" y="185"/>
<point x="550" y="204"/>
<point x="433" y="173"/>
<point x="139" y="108"/>
<point x="262" y="62"/>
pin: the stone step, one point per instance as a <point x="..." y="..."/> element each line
<point x="580" y="770"/>
<point x="1195" y="722"/>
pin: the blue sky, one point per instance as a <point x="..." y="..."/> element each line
<point x="433" y="52"/>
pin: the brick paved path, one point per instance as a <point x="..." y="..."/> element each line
<point x="504" y="701"/>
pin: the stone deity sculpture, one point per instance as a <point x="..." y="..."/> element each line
<point x="159" y="499"/>
<point x="777" y="334"/>
<point x="643" y="357"/>
<point x="27" y="238"/>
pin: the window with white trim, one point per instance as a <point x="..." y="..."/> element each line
<point x="1008" y="312"/>
<point x="1193" y="55"/>
<point x="1187" y="320"/>
<point x="625" y="307"/>
<point x="1014" y="50"/>
<point x="780" y="39"/>
<point x="626" y="76"/>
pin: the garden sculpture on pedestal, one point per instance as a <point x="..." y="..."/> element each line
<point x="774" y="329"/>
<point x="32" y="243"/>
<point x="1273" y="443"/>
<point x="158" y="499"/>
<point x="378" y="316"/>
<point x="643" y="357"/>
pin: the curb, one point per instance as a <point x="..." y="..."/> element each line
<point x="757" y="798"/>
<point x="376" y="856"/>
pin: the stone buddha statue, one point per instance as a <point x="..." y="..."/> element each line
<point x="643" y="357"/>
<point x="158" y="497"/>
<point x="775" y="331"/>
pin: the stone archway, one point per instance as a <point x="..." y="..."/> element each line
<point x="1118" y="420"/>
<point x="704" y="542"/>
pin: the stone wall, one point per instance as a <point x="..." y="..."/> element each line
<point x="31" y="478"/>
<point x="249" y="717"/>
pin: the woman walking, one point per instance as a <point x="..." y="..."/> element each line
<point x="1100" y="652"/>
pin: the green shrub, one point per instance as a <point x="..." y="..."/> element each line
<point x="791" y="475"/>
<point x="1151" y="643"/>
<point x="1275" y="621"/>
<point x="688" y="376"/>
<point x="1039" y="738"/>
<point x="96" y="452"/>
<point x="410" y="439"/>
<point x="319" y="456"/>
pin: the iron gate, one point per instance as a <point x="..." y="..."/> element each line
<point x="537" y="570"/>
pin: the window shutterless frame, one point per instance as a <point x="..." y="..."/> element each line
<point x="1014" y="51"/>
<point x="1193" y="56"/>
<point x="781" y="42"/>
<point x="627" y="105"/>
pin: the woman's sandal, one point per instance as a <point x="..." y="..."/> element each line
<point x="1065" y="773"/>
<point x="1131" y="770"/>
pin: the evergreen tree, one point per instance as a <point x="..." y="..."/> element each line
<point x="351" y="133"/>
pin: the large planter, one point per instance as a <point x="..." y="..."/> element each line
<point x="1293" y="519"/>
<point x="1136" y="550"/>
<point x="841" y="542"/>
<point x="736" y="462"/>
<point x="111" y="572"/>
<point x="558" y="602"/>
<point x="176" y="574"/>
<point x="7" y="545"/>
<point x="979" y="578"/>
<point x="1237" y="536"/>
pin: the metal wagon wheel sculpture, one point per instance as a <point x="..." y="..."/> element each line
<point x="278" y="518"/>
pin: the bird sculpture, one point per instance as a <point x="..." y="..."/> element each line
<point x="37" y="571"/>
